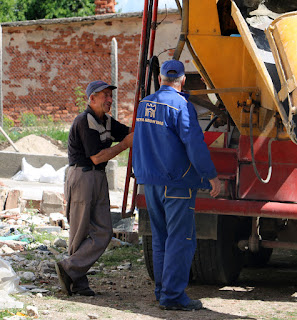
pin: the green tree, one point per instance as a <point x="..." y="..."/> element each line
<point x="18" y="10"/>
<point x="12" y="10"/>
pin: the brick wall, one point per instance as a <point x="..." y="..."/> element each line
<point x="45" y="61"/>
<point x="104" y="6"/>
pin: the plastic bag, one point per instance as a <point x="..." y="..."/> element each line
<point x="27" y="173"/>
<point x="46" y="173"/>
<point x="9" y="283"/>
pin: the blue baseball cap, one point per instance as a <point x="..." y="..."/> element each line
<point x="173" y="69"/>
<point x="97" y="86"/>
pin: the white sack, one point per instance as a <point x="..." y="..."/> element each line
<point x="9" y="283"/>
<point x="46" y="173"/>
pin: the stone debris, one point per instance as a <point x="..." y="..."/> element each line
<point x="3" y="196"/>
<point x="10" y="214"/>
<point x="13" y="317"/>
<point x="58" y="219"/>
<point x="125" y="266"/>
<point x="32" y="311"/>
<point x="52" y="202"/>
<point x="21" y="232"/>
<point x="13" y="199"/>
<point x="93" y="316"/>
<point x="60" y="243"/>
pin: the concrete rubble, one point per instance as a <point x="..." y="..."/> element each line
<point x="21" y="223"/>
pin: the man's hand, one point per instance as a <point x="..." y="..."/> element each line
<point x="109" y="153"/>
<point x="216" y="187"/>
<point x="128" y="140"/>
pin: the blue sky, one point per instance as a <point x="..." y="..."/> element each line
<point x="137" y="5"/>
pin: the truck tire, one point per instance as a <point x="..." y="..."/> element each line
<point x="258" y="259"/>
<point x="219" y="261"/>
<point x="148" y="254"/>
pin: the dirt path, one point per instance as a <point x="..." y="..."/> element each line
<point x="268" y="293"/>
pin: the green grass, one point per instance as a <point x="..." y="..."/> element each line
<point x="6" y="313"/>
<point x="41" y="236"/>
<point x="30" y="124"/>
<point x="121" y="255"/>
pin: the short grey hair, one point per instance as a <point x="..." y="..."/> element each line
<point x="92" y="94"/>
<point x="176" y="81"/>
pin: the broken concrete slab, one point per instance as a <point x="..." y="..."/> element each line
<point x="49" y="229"/>
<point x="3" y="196"/>
<point x="52" y="202"/>
<point x="14" y="199"/>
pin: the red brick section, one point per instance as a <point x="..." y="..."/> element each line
<point x="43" y="64"/>
<point x="104" y="6"/>
<point x="41" y="79"/>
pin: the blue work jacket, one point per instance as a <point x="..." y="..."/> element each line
<point x="168" y="144"/>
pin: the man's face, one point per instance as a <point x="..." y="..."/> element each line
<point x="101" y="102"/>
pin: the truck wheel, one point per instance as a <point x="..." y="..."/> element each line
<point x="148" y="255"/>
<point x="258" y="259"/>
<point x="219" y="261"/>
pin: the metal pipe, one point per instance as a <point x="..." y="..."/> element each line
<point x="145" y="43"/>
<point x="154" y="28"/>
<point x="114" y="76"/>
<point x="1" y="68"/>
<point x="179" y="7"/>
<point x="141" y="64"/>
<point x="243" y="245"/>
<point x="184" y="30"/>
<point x="10" y="141"/>
<point x="243" y="208"/>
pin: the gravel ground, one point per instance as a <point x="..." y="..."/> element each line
<point x="267" y="293"/>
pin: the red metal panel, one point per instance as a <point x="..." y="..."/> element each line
<point x="225" y="161"/>
<point x="281" y="187"/>
<point x="211" y="136"/>
<point x="247" y="208"/>
<point x="281" y="151"/>
<point x="239" y="207"/>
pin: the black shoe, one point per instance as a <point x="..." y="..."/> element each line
<point x="64" y="279"/>
<point x="192" y="305"/>
<point x="85" y="292"/>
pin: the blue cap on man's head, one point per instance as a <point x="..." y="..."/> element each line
<point x="97" y="86"/>
<point x="172" y="69"/>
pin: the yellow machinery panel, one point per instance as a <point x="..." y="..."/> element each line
<point x="230" y="63"/>
<point x="201" y="17"/>
<point x="282" y="39"/>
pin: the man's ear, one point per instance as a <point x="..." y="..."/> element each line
<point x="183" y="81"/>
<point x="92" y="97"/>
<point x="159" y="78"/>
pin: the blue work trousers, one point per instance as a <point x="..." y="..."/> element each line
<point x="172" y="218"/>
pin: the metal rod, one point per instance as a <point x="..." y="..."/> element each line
<point x="243" y="208"/>
<point x="222" y="90"/>
<point x="184" y="30"/>
<point x="1" y="67"/>
<point x="141" y="70"/>
<point x="244" y="245"/>
<point x="154" y="28"/>
<point x="10" y="141"/>
<point x="114" y="76"/>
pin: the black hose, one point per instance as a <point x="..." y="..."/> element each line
<point x="211" y="123"/>
<point x="153" y="72"/>
<point x="252" y="151"/>
<point x="149" y="23"/>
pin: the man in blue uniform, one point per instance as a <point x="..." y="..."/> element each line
<point x="171" y="159"/>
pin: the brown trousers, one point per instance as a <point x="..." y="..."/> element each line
<point x="88" y="214"/>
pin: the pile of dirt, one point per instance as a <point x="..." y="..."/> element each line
<point x="34" y="144"/>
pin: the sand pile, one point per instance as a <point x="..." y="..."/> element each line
<point x="33" y="144"/>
